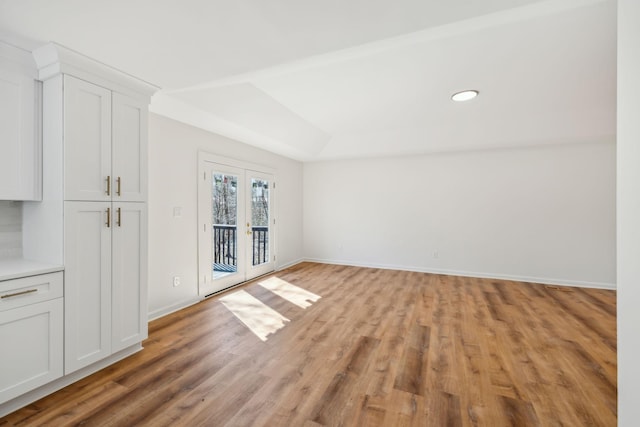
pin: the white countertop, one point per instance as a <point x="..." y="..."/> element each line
<point x="15" y="268"/>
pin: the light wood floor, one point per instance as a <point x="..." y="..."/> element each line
<point x="379" y="348"/>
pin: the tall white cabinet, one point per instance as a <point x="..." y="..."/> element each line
<point x="93" y="214"/>
<point x="105" y="221"/>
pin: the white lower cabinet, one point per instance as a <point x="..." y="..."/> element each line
<point x="31" y="333"/>
<point x="105" y="267"/>
<point x="87" y="302"/>
<point x="128" y="275"/>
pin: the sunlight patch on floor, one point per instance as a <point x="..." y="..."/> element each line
<point x="261" y="319"/>
<point x="292" y="293"/>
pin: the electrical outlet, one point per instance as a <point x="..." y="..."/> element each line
<point x="176" y="281"/>
<point x="436" y="254"/>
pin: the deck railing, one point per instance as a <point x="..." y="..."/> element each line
<point x="225" y="246"/>
<point x="260" y="245"/>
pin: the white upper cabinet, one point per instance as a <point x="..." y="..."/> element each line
<point x="87" y="141"/>
<point x="129" y="148"/>
<point x="104" y="136"/>
<point x="20" y="143"/>
<point x="105" y="144"/>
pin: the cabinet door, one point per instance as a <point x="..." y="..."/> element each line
<point x="87" y="294"/>
<point x="19" y="141"/>
<point x="129" y="149"/>
<point x="87" y="141"/>
<point x="31" y="355"/>
<point x="129" y="279"/>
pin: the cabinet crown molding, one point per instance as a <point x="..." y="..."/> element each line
<point x="53" y="59"/>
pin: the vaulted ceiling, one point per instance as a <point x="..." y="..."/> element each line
<point x="353" y="78"/>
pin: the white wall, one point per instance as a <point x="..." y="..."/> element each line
<point x="173" y="167"/>
<point x="543" y="214"/>
<point x="628" y="212"/>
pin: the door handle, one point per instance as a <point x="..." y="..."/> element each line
<point x="119" y="217"/>
<point x="118" y="181"/>
<point x="108" y="217"/>
<point x="108" y="185"/>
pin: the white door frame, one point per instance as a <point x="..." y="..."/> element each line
<point x="207" y="161"/>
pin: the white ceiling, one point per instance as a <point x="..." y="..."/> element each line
<point x="353" y="78"/>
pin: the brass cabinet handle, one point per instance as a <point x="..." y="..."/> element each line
<point x="119" y="217"/>
<point x="108" y="185"/>
<point x="18" y="293"/>
<point x="118" y="180"/>
<point x="108" y="217"/>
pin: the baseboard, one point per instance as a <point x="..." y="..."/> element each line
<point x="161" y="312"/>
<point x="290" y="264"/>
<point x="55" y="385"/>
<point x="480" y="275"/>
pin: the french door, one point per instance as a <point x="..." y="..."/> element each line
<point x="236" y="240"/>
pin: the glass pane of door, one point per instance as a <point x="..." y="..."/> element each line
<point x="260" y="221"/>
<point x="224" y="224"/>
<point x="260" y="227"/>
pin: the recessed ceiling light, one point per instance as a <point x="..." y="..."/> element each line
<point x="465" y="95"/>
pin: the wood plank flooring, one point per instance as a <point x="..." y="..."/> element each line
<point x="379" y="348"/>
